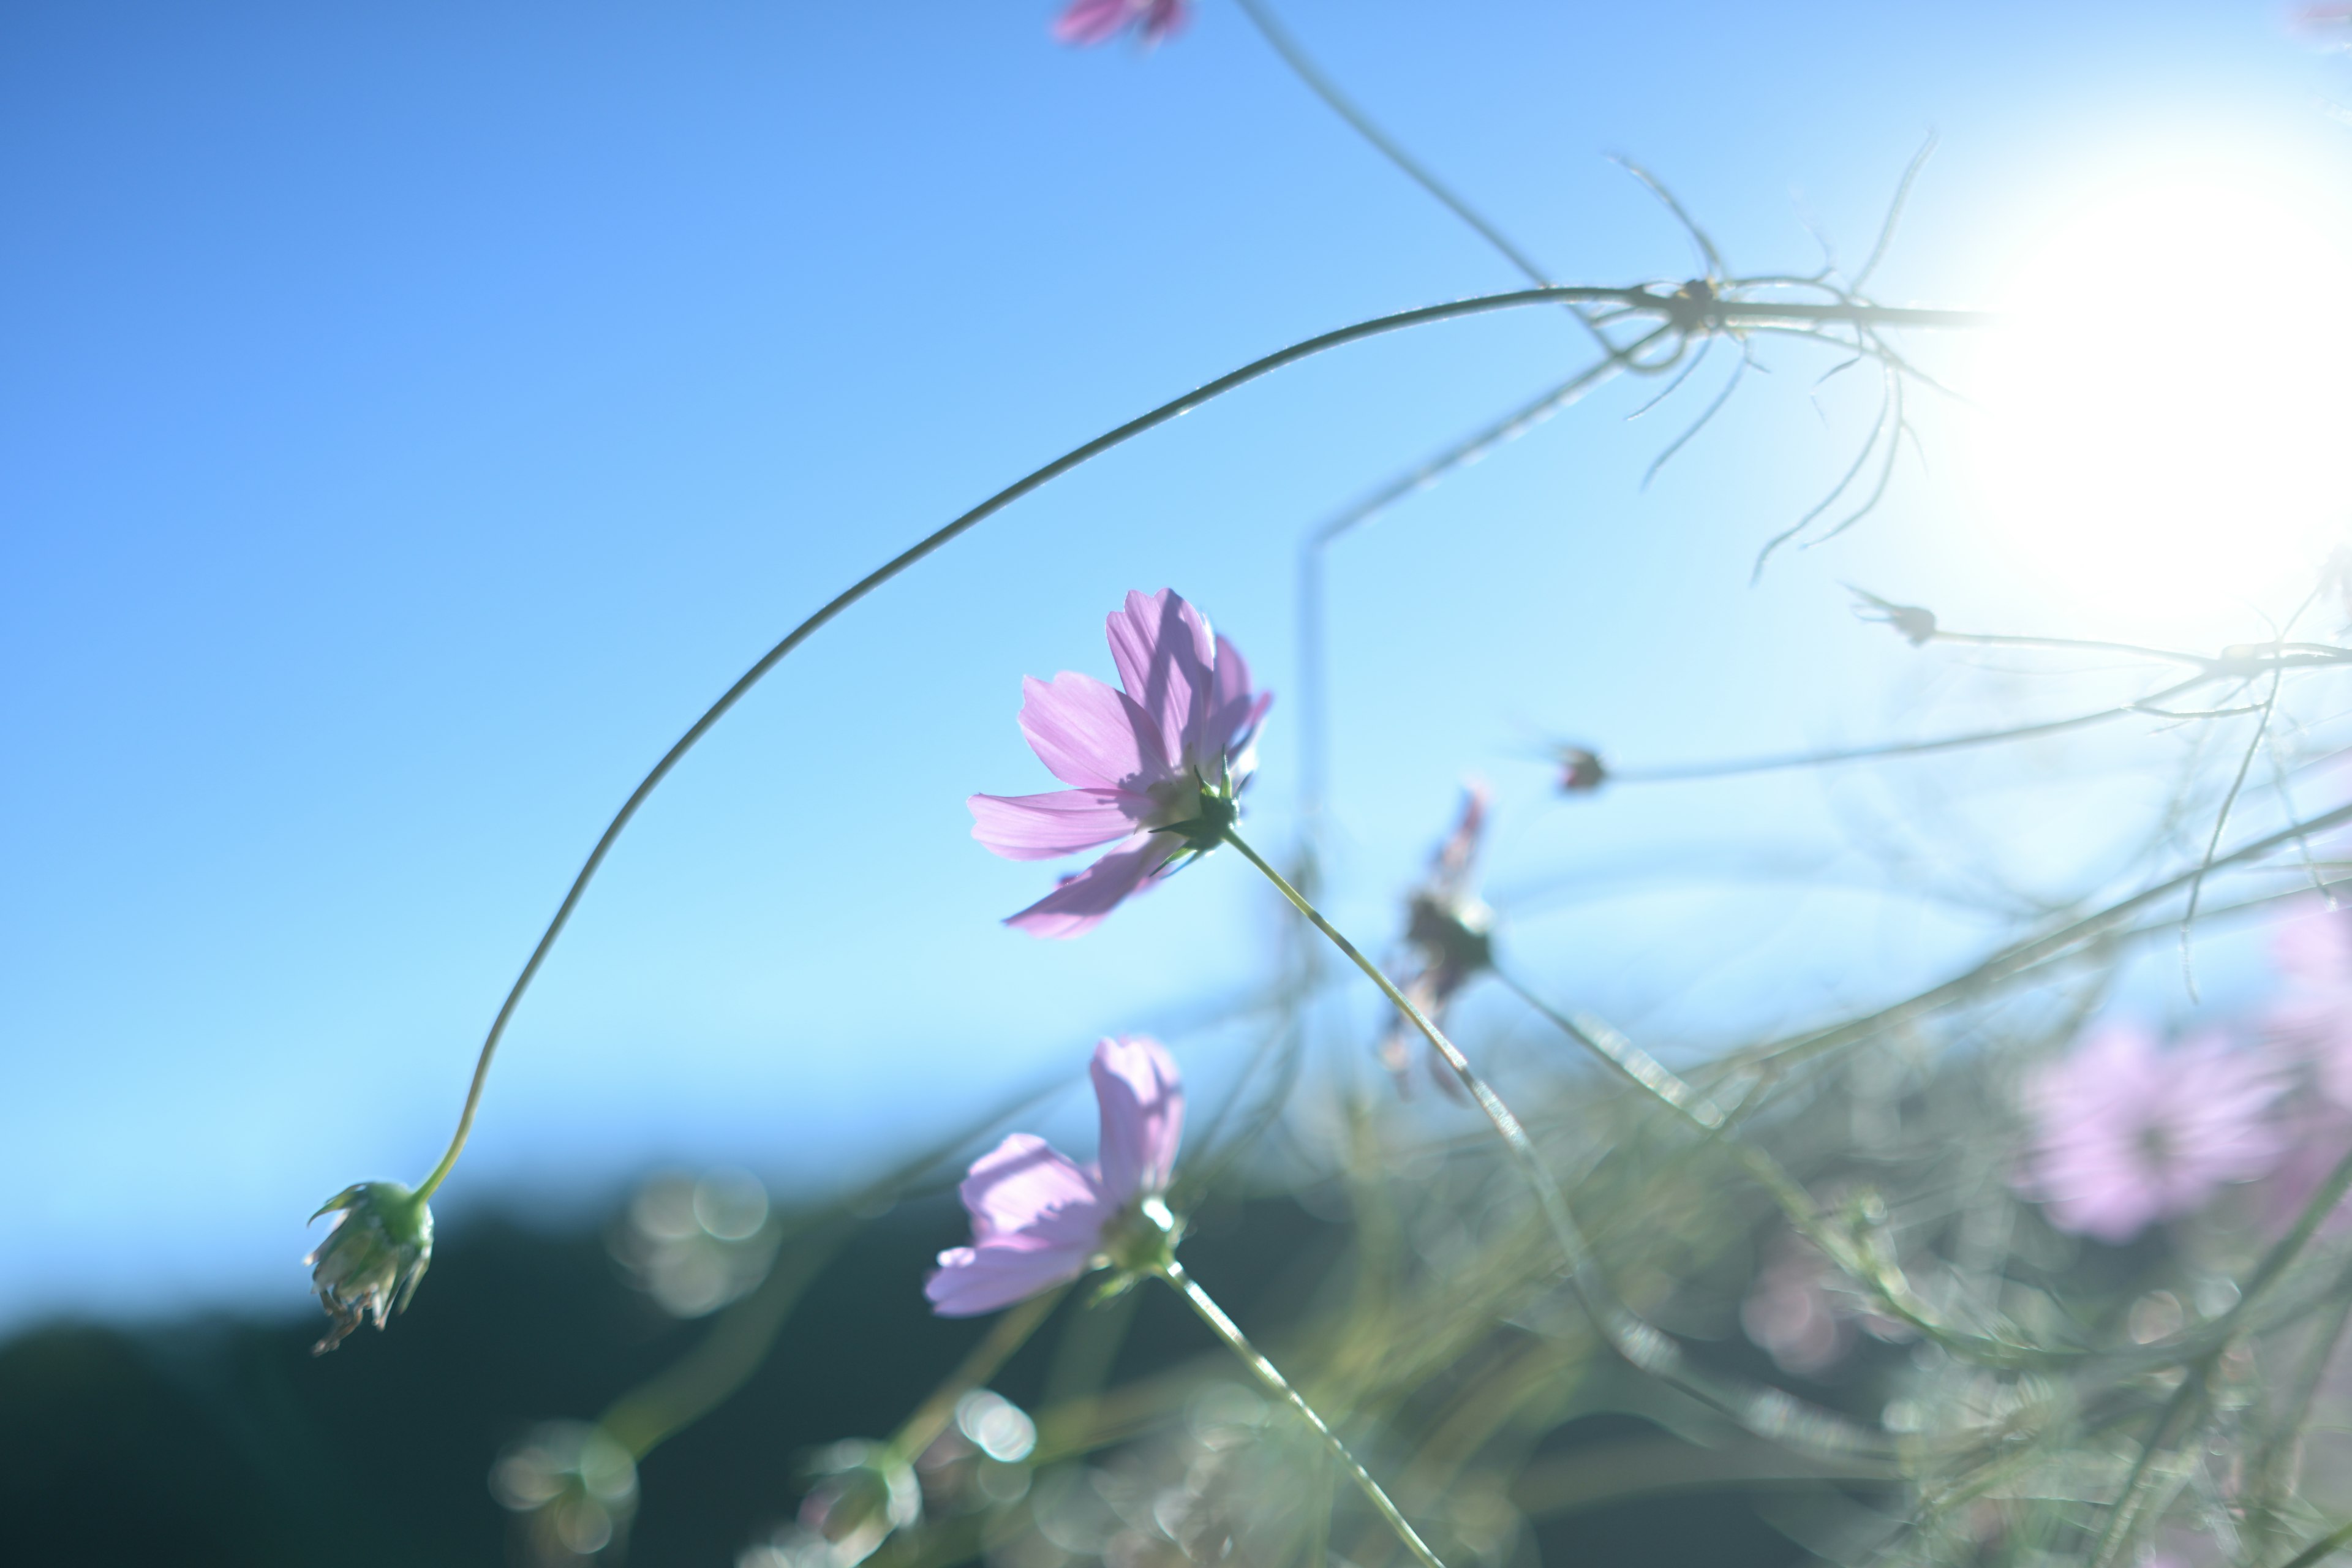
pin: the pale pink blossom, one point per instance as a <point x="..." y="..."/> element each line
<point x="1157" y="767"/>
<point x="1040" y="1219"/>
<point x="2127" y="1133"/>
<point x="1097" y="21"/>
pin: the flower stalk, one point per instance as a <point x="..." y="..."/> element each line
<point x="1205" y="1307"/>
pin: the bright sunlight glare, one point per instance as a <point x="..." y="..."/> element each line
<point x="2166" y="412"/>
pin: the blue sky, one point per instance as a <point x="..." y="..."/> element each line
<point x="412" y="415"/>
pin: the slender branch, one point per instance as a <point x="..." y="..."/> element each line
<point x="1279" y="1386"/>
<point x="1637" y="1066"/>
<point x="2221" y="826"/>
<point x="1678" y="773"/>
<point x="1302" y="65"/>
<point x="1894" y="212"/>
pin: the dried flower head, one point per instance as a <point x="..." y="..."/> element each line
<point x="1581" y="771"/>
<point x="1449" y="929"/>
<point x="369" y="1265"/>
<point x="1912" y="624"/>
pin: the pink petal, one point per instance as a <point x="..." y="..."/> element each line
<point x="1025" y="1185"/>
<point x="1165" y="652"/>
<point x="1091" y="735"/>
<point x="1142" y="1100"/>
<point x="1044" y="827"/>
<point x="975" y="1279"/>
<point x="1082" y="901"/>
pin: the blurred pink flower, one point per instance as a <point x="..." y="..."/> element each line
<point x="1157" y="766"/>
<point x="1097" y="21"/>
<point x="2312" y="1021"/>
<point x="2318" y="1135"/>
<point x="1039" y="1219"/>
<point x="2127" y="1134"/>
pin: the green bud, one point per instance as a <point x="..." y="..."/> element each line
<point x="369" y="1265"/>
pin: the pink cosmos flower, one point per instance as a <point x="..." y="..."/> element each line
<point x="1156" y="767"/>
<point x="1039" y="1219"/>
<point x="1097" y="21"/>
<point x="2128" y="1134"/>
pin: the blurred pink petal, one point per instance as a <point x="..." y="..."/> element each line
<point x="1170" y="750"/>
<point x="1097" y="21"/>
<point x="1038" y="1218"/>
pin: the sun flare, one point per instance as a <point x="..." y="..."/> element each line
<point x="2166" y="412"/>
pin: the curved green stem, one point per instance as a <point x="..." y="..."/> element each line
<point x="2326" y="1546"/>
<point x="1639" y="300"/>
<point x="1279" y="1386"/>
<point x="900" y="563"/>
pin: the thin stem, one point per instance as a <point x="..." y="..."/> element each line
<point x="1340" y="103"/>
<point x="1279" y="1386"/>
<point x="2326" y="1546"/>
<point x="1638" y="1066"/>
<point x="1008" y="1334"/>
<point x="1737" y="767"/>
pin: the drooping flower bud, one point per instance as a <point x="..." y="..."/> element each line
<point x="369" y="1265"/>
